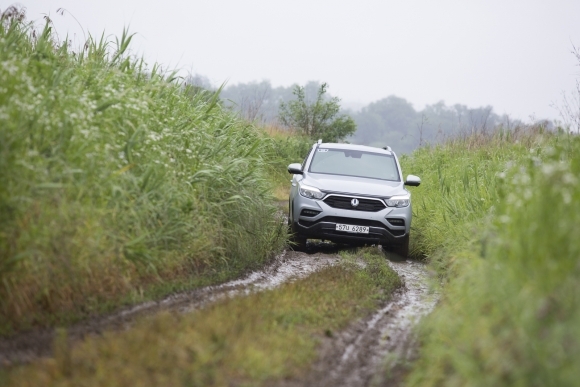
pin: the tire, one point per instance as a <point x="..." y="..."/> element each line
<point x="297" y="242"/>
<point x="402" y="248"/>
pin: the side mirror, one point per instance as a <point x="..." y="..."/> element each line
<point x="413" y="181"/>
<point x="295" y="169"/>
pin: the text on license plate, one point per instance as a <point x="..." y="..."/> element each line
<point x="351" y="228"/>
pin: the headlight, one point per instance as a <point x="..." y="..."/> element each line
<point x="310" y="192"/>
<point x="399" y="201"/>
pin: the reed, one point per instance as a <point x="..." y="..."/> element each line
<point x="498" y="217"/>
<point x="117" y="183"/>
<point x="254" y="340"/>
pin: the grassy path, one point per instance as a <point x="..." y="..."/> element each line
<point x="244" y="340"/>
<point x="498" y="216"/>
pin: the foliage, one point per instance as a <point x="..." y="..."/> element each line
<point x="239" y="341"/>
<point x="117" y="181"/>
<point x="498" y="217"/>
<point x="394" y="121"/>
<point x="290" y="147"/>
<point x="389" y="121"/>
<point x="318" y="120"/>
<point x="259" y="101"/>
<point x="570" y="104"/>
<point x="459" y="186"/>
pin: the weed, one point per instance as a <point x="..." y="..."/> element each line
<point x="498" y="216"/>
<point x="250" y="340"/>
<point x="115" y="179"/>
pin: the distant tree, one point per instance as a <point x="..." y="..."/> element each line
<point x="196" y="85"/>
<point x="250" y="100"/>
<point x="260" y="101"/>
<point x="570" y="108"/>
<point x="320" y="119"/>
<point x="251" y="104"/>
<point x="390" y="121"/>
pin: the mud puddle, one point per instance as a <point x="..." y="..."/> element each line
<point x="377" y="350"/>
<point x="287" y="266"/>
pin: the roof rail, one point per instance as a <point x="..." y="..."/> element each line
<point x="387" y="148"/>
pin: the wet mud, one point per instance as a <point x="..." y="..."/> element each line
<point x="289" y="265"/>
<point x="376" y="350"/>
<point x="372" y="351"/>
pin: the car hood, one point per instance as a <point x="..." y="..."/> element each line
<point x="354" y="185"/>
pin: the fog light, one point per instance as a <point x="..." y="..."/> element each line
<point x="309" y="213"/>
<point x="396" y="221"/>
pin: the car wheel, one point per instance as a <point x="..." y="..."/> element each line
<point x="297" y="242"/>
<point x="402" y="248"/>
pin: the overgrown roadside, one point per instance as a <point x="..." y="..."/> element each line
<point x="244" y="340"/>
<point x="289" y="265"/>
<point x="120" y="184"/>
<point x="498" y="218"/>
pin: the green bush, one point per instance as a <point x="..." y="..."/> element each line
<point x="459" y="188"/>
<point x="114" y="179"/>
<point x="318" y="120"/>
<point x="288" y="149"/>
<point x="502" y="222"/>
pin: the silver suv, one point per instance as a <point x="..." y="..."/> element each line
<point x="350" y="194"/>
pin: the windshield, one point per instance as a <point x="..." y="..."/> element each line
<point x="356" y="163"/>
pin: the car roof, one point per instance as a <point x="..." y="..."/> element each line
<point x="365" y="148"/>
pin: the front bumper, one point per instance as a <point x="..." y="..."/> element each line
<point x="387" y="226"/>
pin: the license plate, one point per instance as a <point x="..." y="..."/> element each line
<point x="353" y="229"/>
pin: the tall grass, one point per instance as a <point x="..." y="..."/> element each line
<point x="243" y="341"/>
<point x="460" y="187"/>
<point x="289" y="147"/>
<point x="499" y="217"/>
<point x="115" y="180"/>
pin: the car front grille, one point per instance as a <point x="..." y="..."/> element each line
<point x="344" y="202"/>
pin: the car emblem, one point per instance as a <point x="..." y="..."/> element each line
<point x="354" y="203"/>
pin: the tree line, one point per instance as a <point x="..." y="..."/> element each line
<point x="391" y="121"/>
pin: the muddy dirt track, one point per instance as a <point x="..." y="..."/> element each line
<point x="371" y="351"/>
<point x="376" y="350"/>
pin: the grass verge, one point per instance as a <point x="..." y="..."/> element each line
<point x="499" y="218"/>
<point x="117" y="182"/>
<point x="289" y="147"/>
<point x="246" y="341"/>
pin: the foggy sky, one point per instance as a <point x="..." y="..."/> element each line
<point x="513" y="55"/>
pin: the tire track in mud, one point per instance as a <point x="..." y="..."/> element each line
<point x="289" y="265"/>
<point x="376" y="350"/>
<point x="371" y="351"/>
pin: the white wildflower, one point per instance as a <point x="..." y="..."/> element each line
<point x="504" y="219"/>
<point x="569" y="178"/>
<point x="566" y="197"/>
